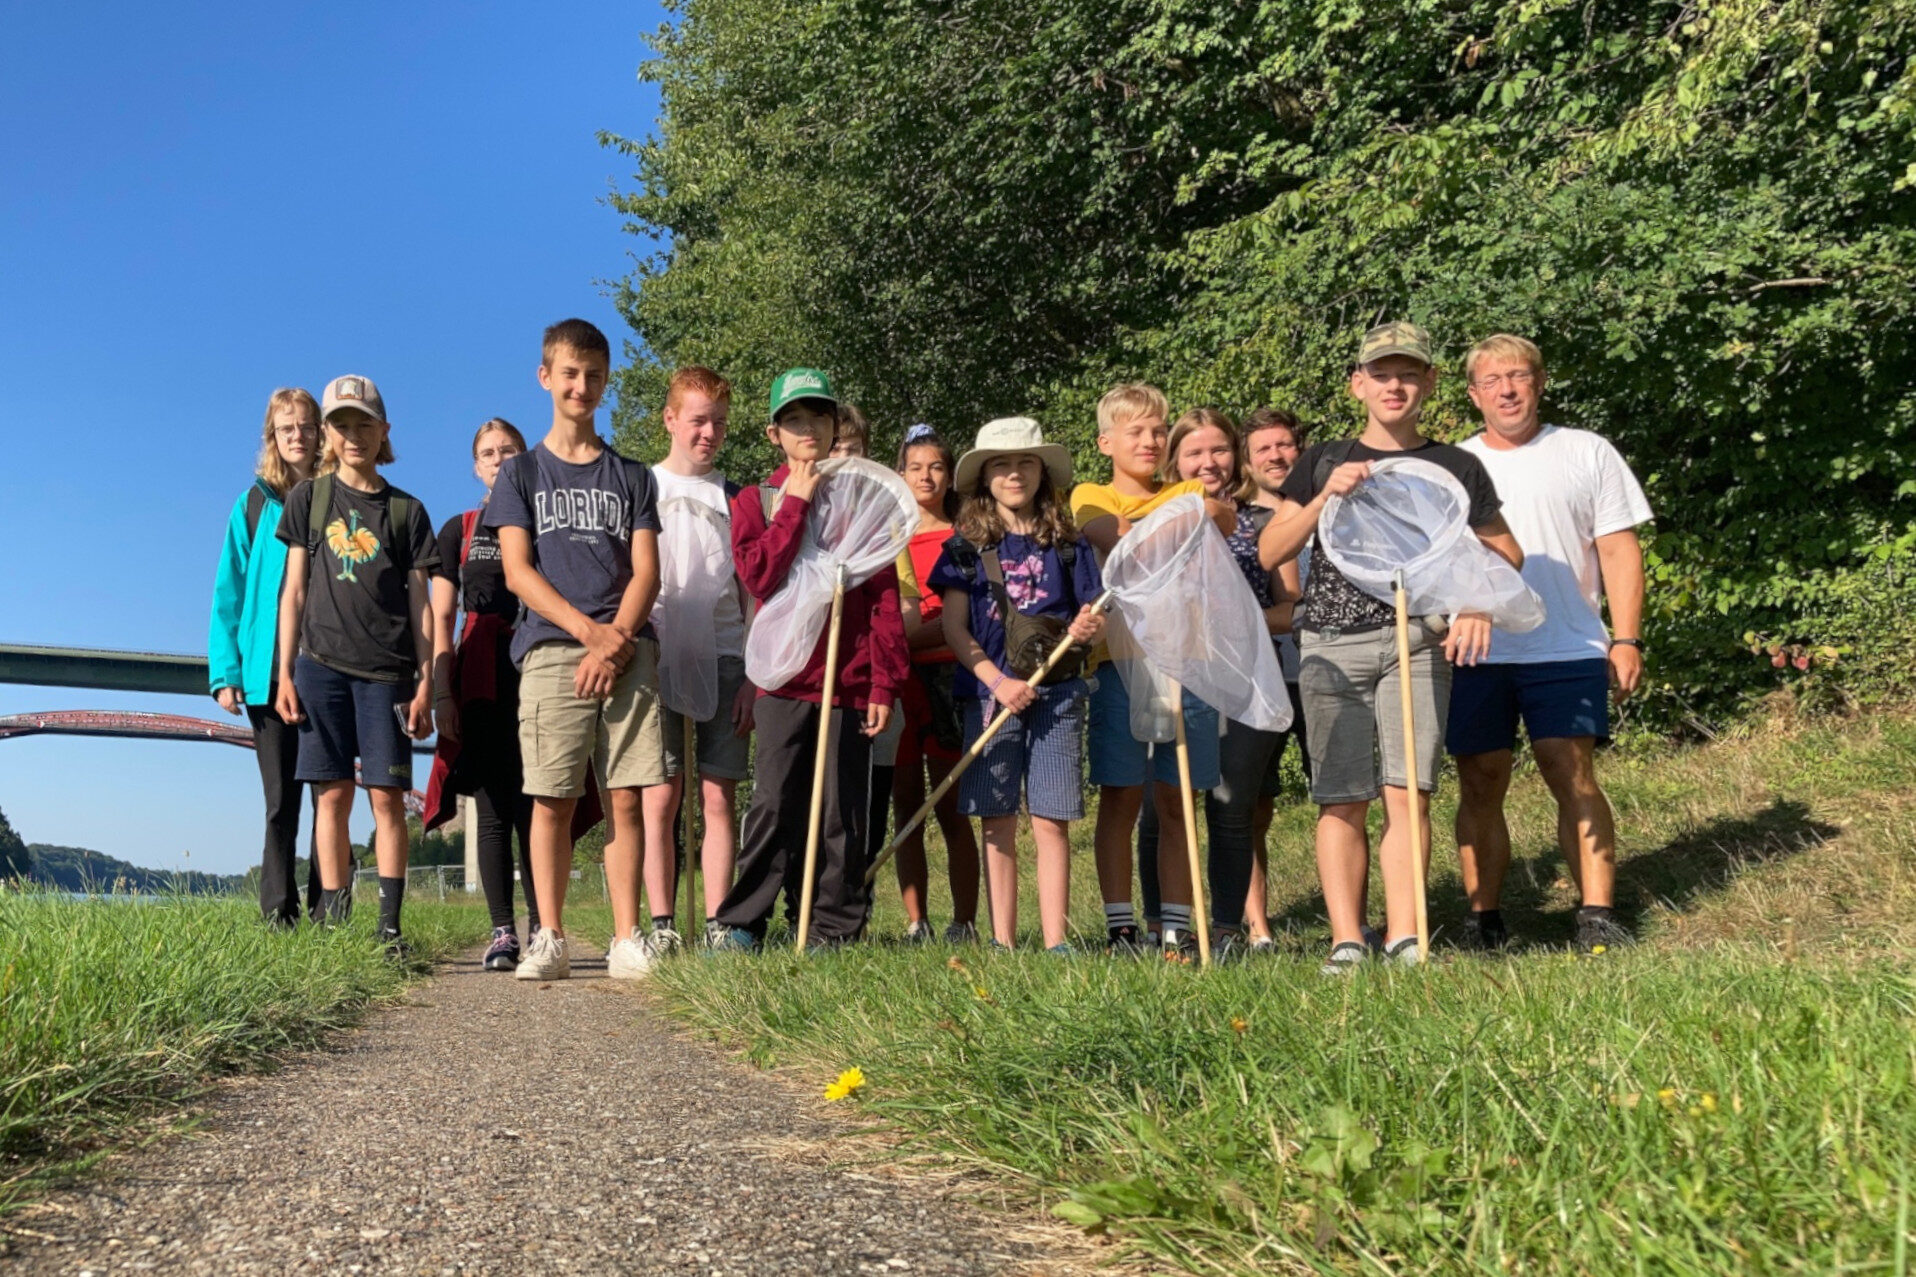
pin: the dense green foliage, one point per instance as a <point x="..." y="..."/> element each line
<point x="1705" y="213"/>
<point x="80" y="869"/>
<point x="113" y="1010"/>
<point x="15" y="860"/>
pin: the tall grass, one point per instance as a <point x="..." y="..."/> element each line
<point x="1736" y="1095"/>
<point x="112" y="1009"/>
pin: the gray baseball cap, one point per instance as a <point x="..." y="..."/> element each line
<point x="352" y="392"/>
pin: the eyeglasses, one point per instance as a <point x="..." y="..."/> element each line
<point x="1497" y="381"/>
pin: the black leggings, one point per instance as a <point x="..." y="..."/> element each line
<point x="489" y="757"/>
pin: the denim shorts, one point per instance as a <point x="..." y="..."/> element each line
<point x="1039" y="752"/>
<point x="1555" y="699"/>
<point x="348" y="717"/>
<point x="1120" y="759"/>
<point x="1353" y="717"/>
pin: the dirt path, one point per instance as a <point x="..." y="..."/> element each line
<point x="490" y="1125"/>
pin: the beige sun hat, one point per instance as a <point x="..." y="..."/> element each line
<point x="1011" y="435"/>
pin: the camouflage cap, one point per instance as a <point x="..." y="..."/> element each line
<point x="1400" y="338"/>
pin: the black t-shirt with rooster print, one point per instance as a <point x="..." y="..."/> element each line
<point x="357" y="620"/>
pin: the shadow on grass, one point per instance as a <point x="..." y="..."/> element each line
<point x="1682" y="874"/>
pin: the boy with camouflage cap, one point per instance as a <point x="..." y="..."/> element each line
<point x="1348" y="671"/>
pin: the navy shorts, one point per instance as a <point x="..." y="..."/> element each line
<point x="348" y="718"/>
<point x="1038" y="755"/>
<point x="1555" y="699"/>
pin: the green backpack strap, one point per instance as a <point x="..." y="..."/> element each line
<point x="399" y="512"/>
<point x="319" y="511"/>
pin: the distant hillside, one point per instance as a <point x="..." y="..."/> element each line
<point x="77" y="869"/>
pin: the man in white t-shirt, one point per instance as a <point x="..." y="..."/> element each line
<point x="697" y="404"/>
<point x="1574" y="507"/>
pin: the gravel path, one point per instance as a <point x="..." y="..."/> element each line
<point x="413" y="1148"/>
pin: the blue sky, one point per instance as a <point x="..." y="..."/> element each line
<point x="200" y="203"/>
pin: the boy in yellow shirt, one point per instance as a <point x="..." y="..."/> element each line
<point x="1133" y="427"/>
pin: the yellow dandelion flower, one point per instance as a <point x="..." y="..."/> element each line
<point x="1599" y="948"/>
<point x="1239" y="1024"/>
<point x="848" y="1081"/>
<point x="1667" y="1095"/>
<point x="978" y="991"/>
<point x="1707" y="1103"/>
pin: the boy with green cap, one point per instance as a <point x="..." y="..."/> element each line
<point x="768" y="526"/>
<point x="1348" y="675"/>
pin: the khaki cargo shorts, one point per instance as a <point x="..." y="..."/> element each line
<point x="560" y="733"/>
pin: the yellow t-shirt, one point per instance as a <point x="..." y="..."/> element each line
<point x="1091" y="500"/>
<point x="908" y="587"/>
<point x="1094" y="500"/>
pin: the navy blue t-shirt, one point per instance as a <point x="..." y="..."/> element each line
<point x="1035" y="584"/>
<point x="581" y="518"/>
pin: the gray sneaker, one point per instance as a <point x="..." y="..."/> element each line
<point x="918" y="932"/>
<point x="1345" y="958"/>
<point x="961" y="933"/>
<point x="634" y="957"/>
<point x="545" y="958"/>
<point x="1403" y="953"/>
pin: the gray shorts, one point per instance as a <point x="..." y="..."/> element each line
<point x="1353" y="719"/>
<point x="723" y="753"/>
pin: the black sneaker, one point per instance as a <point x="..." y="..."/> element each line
<point x="1483" y="932"/>
<point x="395" y="946"/>
<point x="1123" y="942"/>
<point x="503" y="953"/>
<point x="1600" y="933"/>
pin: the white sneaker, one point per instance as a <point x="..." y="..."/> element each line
<point x="634" y="957"/>
<point x="545" y="958"/>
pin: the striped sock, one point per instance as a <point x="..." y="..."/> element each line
<point x="1118" y="916"/>
<point x="1177" y="921"/>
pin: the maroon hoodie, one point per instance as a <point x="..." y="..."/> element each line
<point x="873" y="660"/>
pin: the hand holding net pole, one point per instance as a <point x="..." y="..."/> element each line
<point x="812" y="828"/>
<point x="971" y="755"/>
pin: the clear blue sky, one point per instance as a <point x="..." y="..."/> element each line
<point x="200" y="203"/>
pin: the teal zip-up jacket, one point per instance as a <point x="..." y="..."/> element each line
<point x="244" y="632"/>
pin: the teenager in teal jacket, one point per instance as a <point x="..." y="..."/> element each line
<point x="240" y="639"/>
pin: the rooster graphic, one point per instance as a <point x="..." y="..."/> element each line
<point x="351" y="544"/>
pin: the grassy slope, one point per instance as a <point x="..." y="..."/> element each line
<point x="113" y="1012"/>
<point x="1736" y="1095"/>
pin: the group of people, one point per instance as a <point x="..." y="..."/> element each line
<point x="337" y="628"/>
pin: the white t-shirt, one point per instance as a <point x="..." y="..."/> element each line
<point x="1561" y="491"/>
<point x="709" y="489"/>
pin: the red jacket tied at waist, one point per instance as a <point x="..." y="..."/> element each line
<point x="873" y="658"/>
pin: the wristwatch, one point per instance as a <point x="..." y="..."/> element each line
<point x="1636" y="643"/>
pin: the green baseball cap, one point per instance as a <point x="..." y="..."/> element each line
<point x="801" y="383"/>
<point x="1400" y="338"/>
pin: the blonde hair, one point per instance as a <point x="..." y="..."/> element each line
<point x="329" y="463"/>
<point x="1128" y="402"/>
<point x="1190" y="423"/>
<point x="272" y="467"/>
<point x="1503" y="346"/>
<point x="504" y="427"/>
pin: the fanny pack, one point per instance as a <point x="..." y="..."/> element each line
<point x="1030" y="640"/>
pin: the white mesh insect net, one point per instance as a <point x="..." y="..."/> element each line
<point x="861" y="519"/>
<point x="1186" y="616"/>
<point x="695" y="572"/>
<point x="1412" y="516"/>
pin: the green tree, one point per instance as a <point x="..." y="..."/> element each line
<point x="1705" y="213"/>
<point x="15" y="861"/>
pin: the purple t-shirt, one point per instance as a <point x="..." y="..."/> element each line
<point x="581" y="518"/>
<point x="1034" y="582"/>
